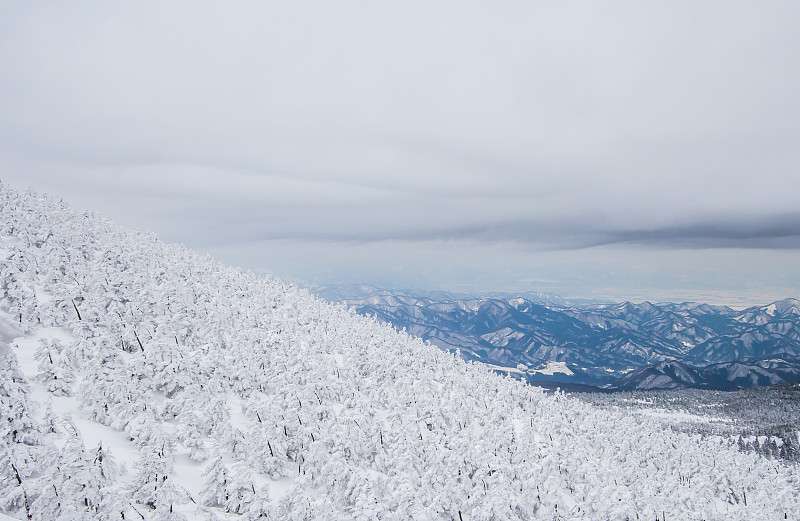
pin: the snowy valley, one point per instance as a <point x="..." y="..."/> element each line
<point x="140" y="380"/>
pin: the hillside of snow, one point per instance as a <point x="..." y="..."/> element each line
<point x="139" y="380"/>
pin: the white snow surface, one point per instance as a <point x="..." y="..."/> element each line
<point x="221" y="395"/>
<point x="8" y="331"/>
<point x="552" y="368"/>
<point x="682" y="416"/>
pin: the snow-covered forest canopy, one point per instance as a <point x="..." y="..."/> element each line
<point x="140" y="380"/>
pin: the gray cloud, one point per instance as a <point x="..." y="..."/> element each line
<point x="779" y="232"/>
<point x="782" y="232"/>
<point x="771" y="232"/>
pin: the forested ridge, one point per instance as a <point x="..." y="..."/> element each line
<point x="221" y="395"/>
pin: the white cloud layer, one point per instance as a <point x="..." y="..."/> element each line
<point x="450" y="135"/>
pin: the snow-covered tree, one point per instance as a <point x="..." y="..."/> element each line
<point x="240" y="490"/>
<point x="151" y="471"/>
<point x="215" y="484"/>
<point x="54" y="372"/>
<point x="168" y="498"/>
<point x="191" y="433"/>
<point x="20" y="438"/>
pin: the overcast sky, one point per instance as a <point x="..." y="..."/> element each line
<point x="642" y="150"/>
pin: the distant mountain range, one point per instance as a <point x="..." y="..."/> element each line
<point x="356" y="292"/>
<point x="544" y="338"/>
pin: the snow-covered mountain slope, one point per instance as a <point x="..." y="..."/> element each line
<point x="143" y="381"/>
<point x="598" y="343"/>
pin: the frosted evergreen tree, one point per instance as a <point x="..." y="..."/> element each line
<point x="151" y="471"/>
<point x="240" y="490"/>
<point x="105" y="471"/>
<point x="56" y="498"/>
<point x="260" y="507"/>
<point x="104" y="465"/>
<point x="74" y="484"/>
<point x="54" y="373"/>
<point x="49" y="504"/>
<point x="191" y="433"/>
<point x="20" y="438"/>
<point x="14" y="481"/>
<point x="169" y="496"/>
<point x="219" y="413"/>
<point x="113" y="504"/>
<point x="215" y="484"/>
<point x="14" y="294"/>
<point x="18" y="425"/>
<point x="50" y="423"/>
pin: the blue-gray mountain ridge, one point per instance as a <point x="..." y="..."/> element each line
<point x="547" y="339"/>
